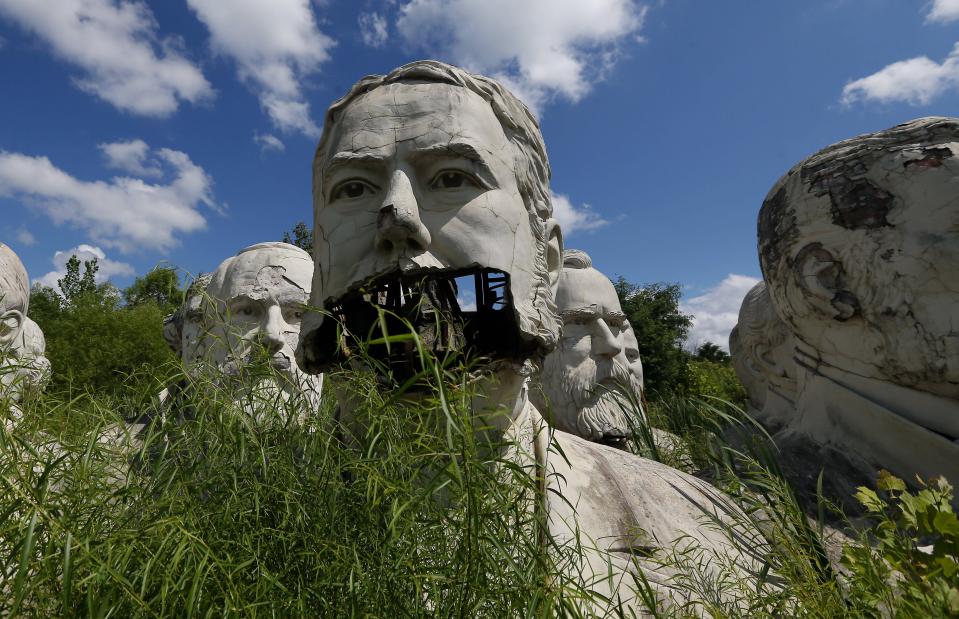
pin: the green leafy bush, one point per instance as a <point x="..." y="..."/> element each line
<point x="909" y="564"/>
<point x="716" y="380"/>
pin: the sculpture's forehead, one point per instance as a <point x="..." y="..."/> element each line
<point x="584" y="287"/>
<point x="265" y="271"/>
<point x="421" y="114"/>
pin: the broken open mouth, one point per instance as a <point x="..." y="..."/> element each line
<point x="466" y="312"/>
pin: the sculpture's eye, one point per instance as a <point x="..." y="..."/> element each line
<point x="452" y="179"/>
<point x="352" y="189"/>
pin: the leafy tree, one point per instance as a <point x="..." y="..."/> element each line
<point x="301" y="236"/>
<point x="161" y="286"/>
<point x="73" y="285"/>
<point x="94" y="343"/>
<point x="661" y="329"/>
<point x="708" y="351"/>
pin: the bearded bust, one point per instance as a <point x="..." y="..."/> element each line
<point x="248" y="309"/>
<point x="583" y="378"/>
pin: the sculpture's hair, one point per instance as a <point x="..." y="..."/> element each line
<point x="826" y="200"/>
<point x="530" y="163"/>
<point x="276" y="245"/>
<point x="576" y="259"/>
<point x="14" y="282"/>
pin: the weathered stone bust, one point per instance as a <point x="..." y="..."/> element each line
<point x="24" y="369"/>
<point x="583" y="376"/>
<point x="762" y="354"/>
<point x="251" y="304"/>
<point x="859" y="245"/>
<point x="429" y="174"/>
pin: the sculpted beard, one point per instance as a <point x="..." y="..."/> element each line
<point x="592" y="400"/>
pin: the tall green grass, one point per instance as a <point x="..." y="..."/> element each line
<point x="215" y="508"/>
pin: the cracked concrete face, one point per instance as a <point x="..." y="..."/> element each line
<point x="21" y="340"/>
<point x="860" y="246"/>
<point x="762" y="349"/>
<point x="418" y="176"/>
<point x="254" y="300"/>
<point x="430" y="168"/>
<point x="584" y="374"/>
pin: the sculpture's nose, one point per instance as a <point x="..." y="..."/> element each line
<point x="398" y="225"/>
<point x="605" y="343"/>
<point x="272" y="335"/>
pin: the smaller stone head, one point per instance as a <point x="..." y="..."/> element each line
<point x="35" y="367"/>
<point x="251" y="304"/>
<point x="583" y="377"/>
<point x="184" y="330"/>
<point x="859" y="245"/>
<point x="14" y="298"/>
<point x="762" y="346"/>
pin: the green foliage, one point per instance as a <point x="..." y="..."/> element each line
<point x="708" y="351"/>
<point x="161" y="287"/>
<point x="230" y="514"/>
<point x="301" y="236"/>
<point x="717" y="380"/>
<point x="914" y="550"/>
<point x="94" y="343"/>
<point x="75" y="286"/>
<point x="661" y="329"/>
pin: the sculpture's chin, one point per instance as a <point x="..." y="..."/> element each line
<point x="468" y="312"/>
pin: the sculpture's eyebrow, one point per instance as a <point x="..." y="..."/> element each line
<point x="347" y="158"/>
<point x="586" y="312"/>
<point x="461" y="149"/>
<point x="615" y="317"/>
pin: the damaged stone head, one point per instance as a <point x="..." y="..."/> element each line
<point x="250" y="307"/>
<point x="23" y="367"/>
<point x="859" y="245"/>
<point x="584" y="378"/>
<point x="762" y="355"/>
<point x="423" y="176"/>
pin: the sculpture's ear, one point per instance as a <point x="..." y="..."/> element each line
<point x="821" y="278"/>
<point x="11" y="323"/>
<point x="554" y="253"/>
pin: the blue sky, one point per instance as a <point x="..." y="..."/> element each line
<point x="183" y="130"/>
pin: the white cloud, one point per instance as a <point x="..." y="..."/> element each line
<point x="717" y="310"/>
<point x="107" y="268"/>
<point x="25" y="237"/>
<point x="539" y="48"/>
<point x="275" y="43"/>
<point x="572" y="219"/>
<point x="116" y="45"/>
<point x="132" y="157"/>
<point x="124" y="213"/>
<point x="373" y="29"/>
<point x="916" y="81"/>
<point x="943" y="11"/>
<point x="269" y="142"/>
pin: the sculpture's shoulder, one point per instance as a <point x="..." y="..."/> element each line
<point x="623" y="501"/>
